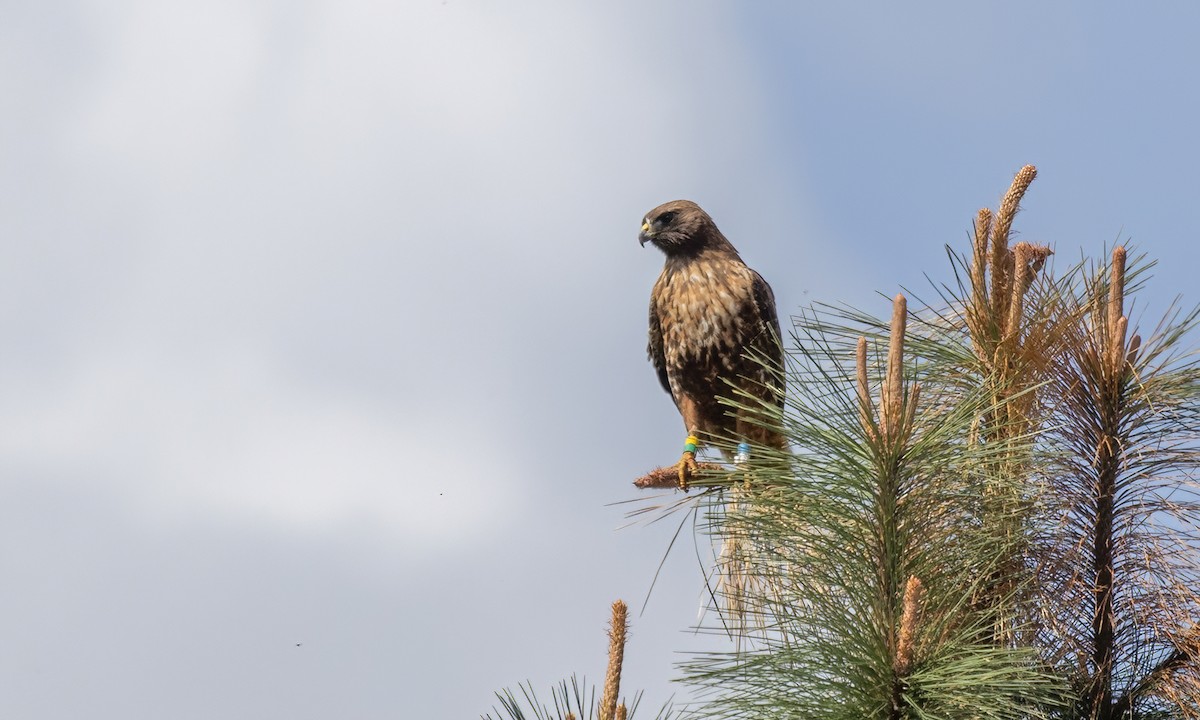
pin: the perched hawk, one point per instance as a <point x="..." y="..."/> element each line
<point x="710" y="315"/>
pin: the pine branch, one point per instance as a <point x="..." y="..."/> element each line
<point x="668" y="477"/>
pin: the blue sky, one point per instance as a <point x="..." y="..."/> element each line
<point x="325" y="322"/>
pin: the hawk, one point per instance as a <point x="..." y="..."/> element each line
<point x="714" y="332"/>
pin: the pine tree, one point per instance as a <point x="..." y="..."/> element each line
<point x="990" y="510"/>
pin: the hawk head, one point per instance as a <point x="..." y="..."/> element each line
<point x="679" y="227"/>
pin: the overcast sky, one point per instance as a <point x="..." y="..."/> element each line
<point x="324" y="322"/>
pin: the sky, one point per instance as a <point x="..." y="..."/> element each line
<point x="323" y="379"/>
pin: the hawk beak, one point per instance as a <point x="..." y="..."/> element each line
<point x="644" y="235"/>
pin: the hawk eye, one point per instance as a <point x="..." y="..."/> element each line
<point x="666" y="218"/>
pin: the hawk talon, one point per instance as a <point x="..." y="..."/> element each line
<point x="687" y="469"/>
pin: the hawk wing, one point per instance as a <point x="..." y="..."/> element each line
<point x="764" y="303"/>
<point x="655" y="350"/>
<point x="770" y="338"/>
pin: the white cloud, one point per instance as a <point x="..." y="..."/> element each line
<point x="226" y="435"/>
<point x="168" y="86"/>
<point x="282" y="261"/>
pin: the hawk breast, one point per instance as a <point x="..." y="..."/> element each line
<point x="706" y="315"/>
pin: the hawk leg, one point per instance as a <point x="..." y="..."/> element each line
<point x="687" y="468"/>
<point x="687" y="463"/>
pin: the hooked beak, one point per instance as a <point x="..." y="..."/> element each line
<point x="644" y="235"/>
